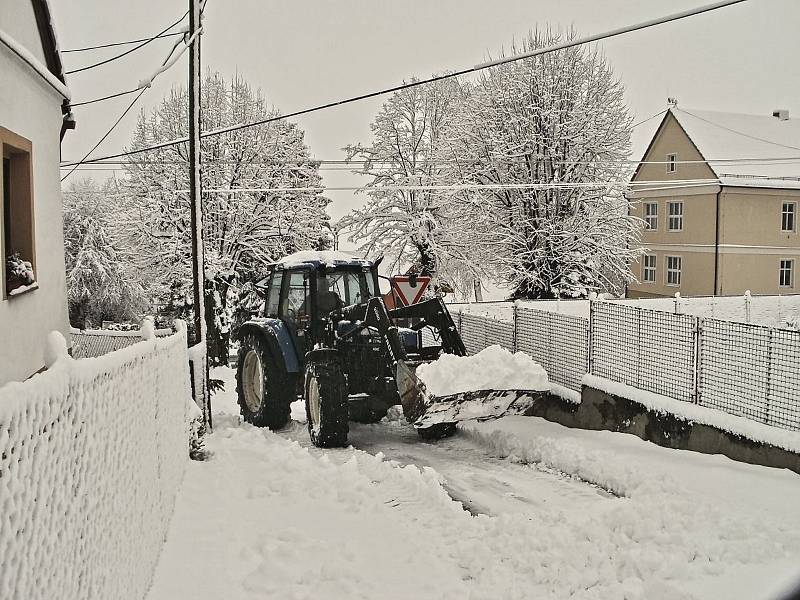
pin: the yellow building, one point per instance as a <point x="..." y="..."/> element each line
<point x="718" y="194"/>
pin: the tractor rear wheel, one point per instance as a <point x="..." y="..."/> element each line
<point x="263" y="387"/>
<point x="326" y="401"/>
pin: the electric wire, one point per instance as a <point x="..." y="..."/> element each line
<point x="465" y="71"/>
<point x="134" y="49"/>
<point x="747" y="135"/>
<point x="128" y="43"/>
<point x="117" y="95"/>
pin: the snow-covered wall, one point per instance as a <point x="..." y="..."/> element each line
<point x="30" y="108"/>
<point x="91" y="456"/>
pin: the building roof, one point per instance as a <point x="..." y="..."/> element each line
<point x="745" y="150"/>
<point x="47" y="33"/>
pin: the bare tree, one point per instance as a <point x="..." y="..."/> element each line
<point x="556" y="123"/>
<point x="412" y="227"/>
<point x="243" y="230"/>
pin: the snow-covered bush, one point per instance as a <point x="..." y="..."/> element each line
<point x="93" y="452"/>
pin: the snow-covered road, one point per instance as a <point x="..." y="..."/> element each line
<point x="270" y="517"/>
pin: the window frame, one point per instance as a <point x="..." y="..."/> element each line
<point x="670" y="216"/>
<point x="667" y="270"/>
<point x="646" y="268"/>
<point x="782" y="270"/>
<point x="19" y="151"/>
<point x="672" y="162"/>
<point x="653" y="216"/>
<point x="793" y="213"/>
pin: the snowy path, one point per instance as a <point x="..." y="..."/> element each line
<point x="267" y="517"/>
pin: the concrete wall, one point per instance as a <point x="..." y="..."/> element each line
<point x="31" y="109"/>
<point x="600" y="410"/>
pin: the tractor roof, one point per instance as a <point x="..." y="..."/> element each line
<point x="324" y="258"/>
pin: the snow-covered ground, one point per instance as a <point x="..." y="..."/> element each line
<point x="553" y="513"/>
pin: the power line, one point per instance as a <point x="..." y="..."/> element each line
<point x="134" y="49"/>
<point x="117" y="95"/>
<point x="128" y="43"/>
<point x="474" y="69"/>
<point x="168" y="62"/>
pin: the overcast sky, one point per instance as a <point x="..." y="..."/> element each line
<point x="740" y="59"/>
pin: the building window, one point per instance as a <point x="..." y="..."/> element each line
<point x="672" y="163"/>
<point x="788" y="216"/>
<point x="674" y="270"/>
<point x="649" y="268"/>
<point x="675" y="216"/>
<point x="786" y="272"/>
<point x="17" y="248"/>
<point x="651" y="215"/>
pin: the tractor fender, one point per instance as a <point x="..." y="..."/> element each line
<point x="279" y="339"/>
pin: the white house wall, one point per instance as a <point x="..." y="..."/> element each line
<point x="32" y="109"/>
<point x="18" y="20"/>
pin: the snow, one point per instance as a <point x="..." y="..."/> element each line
<point x="326" y="257"/>
<point x="493" y="368"/>
<point x="35" y="64"/>
<point x="753" y="430"/>
<point x="269" y="516"/>
<point x="93" y="453"/>
<point x="715" y="135"/>
<point x="24" y="288"/>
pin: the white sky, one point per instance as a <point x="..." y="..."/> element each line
<point x="301" y="53"/>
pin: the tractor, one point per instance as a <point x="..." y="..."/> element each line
<point x="324" y="334"/>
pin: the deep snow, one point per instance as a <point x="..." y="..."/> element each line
<point x="269" y="517"/>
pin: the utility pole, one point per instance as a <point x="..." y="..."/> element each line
<point x="196" y="204"/>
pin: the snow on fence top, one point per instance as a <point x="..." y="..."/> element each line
<point x="92" y="452"/>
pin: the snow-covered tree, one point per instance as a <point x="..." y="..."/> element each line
<point x="413" y="228"/>
<point x="558" y="121"/>
<point x="242" y="230"/>
<point x="101" y="285"/>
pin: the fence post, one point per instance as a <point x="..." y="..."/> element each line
<point x="769" y="374"/>
<point x="747" y="305"/>
<point x="514" y="346"/>
<point x="677" y="302"/>
<point x="639" y="347"/>
<point x="698" y="359"/>
<point x="590" y="339"/>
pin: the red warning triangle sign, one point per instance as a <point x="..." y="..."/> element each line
<point x="405" y="292"/>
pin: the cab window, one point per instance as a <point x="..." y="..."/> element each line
<point x="296" y="305"/>
<point x="274" y="294"/>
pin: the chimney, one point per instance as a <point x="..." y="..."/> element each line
<point x="781" y="114"/>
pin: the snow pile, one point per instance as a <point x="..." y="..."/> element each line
<point x="493" y="368"/>
<point x="93" y="452"/>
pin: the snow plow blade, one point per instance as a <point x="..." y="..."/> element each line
<point x="426" y="411"/>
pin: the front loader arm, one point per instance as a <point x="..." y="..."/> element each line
<point x="434" y="313"/>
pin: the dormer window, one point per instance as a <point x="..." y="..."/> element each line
<point x="672" y="163"/>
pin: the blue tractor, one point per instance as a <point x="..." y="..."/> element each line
<point x="324" y="334"/>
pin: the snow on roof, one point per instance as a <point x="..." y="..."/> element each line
<point x="720" y="136"/>
<point x="325" y="257"/>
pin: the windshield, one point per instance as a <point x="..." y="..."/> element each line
<point x="351" y="287"/>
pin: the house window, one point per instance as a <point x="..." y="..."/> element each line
<point x="17" y="248"/>
<point x="672" y="163"/>
<point x="651" y="215"/>
<point x="674" y="270"/>
<point x="786" y="272"/>
<point x="675" y="216"/>
<point x="649" y="268"/>
<point x="788" y="216"/>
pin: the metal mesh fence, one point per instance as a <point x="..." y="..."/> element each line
<point x="480" y="332"/>
<point x="556" y="341"/>
<point x="751" y="371"/>
<point x="646" y="349"/>
<point x="91" y="343"/>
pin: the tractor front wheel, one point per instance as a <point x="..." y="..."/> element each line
<point x="262" y="385"/>
<point x="326" y="400"/>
